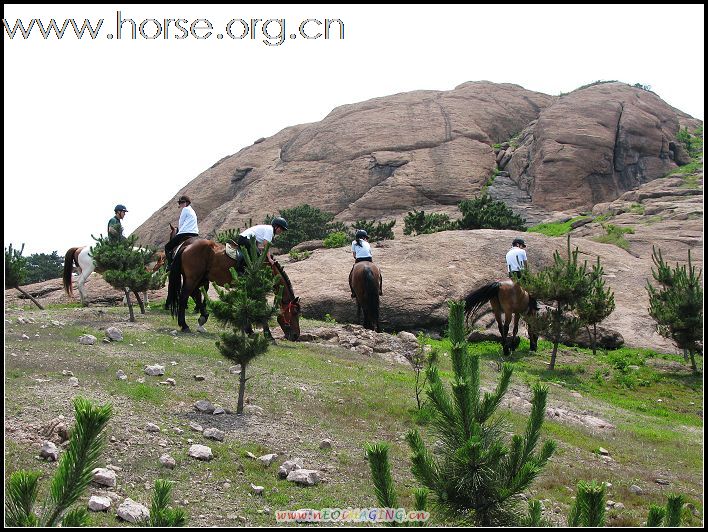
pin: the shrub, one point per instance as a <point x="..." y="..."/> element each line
<point x="376" y="230"/>
<point x="419" y="223"/>
<point x="336" y="240"/>
<point x="485" y="213"/>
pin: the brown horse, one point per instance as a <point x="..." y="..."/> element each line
<point x="507" y="297"/>
<point x="366" y="283"/>
<point x="80" y="257"/>
<point x="201" y="261"/>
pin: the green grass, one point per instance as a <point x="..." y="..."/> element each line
<point x="615" y="236"/>
<point x="555" y="229"/>
<point x="152" y="393"/>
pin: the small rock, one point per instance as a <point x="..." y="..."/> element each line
<point x="204" y="406"/>
<point x="104" y="476"/>
<point x="218" y="410"/>
<point x="120" y="374"/>
<point x="692" y="508"/>
<point x="288" y="466"/>
<point x="199" y="377"/>
<point x="67" y="373"/>
<point x="250" y="455"/>
<point x="155" y="370"/>
<point x="74" y="382"/>
<point x="167" y="461"/>
<point x="195" y="426"/>
<point x="99" y="504"/>
<point x="214" y="434"/>
<point x="253" y="410"/>
<point x="258" y="490"/>
<point x="235" y="369"/>
<point x="114" y="334"/>
<point x="178" y="430"/>
<point x="662" y="481"/>
<point x="132" y="511"/>
<point x="151" y="427"/>
<point x="326" y="444"/>
<point x="306" y="477"/>
<point x="636" y="490"/>
<point x="619" y="506"/>
<point x="604" y="452"/>
<point x="200" y="452"/>
<point x="267" y="459"/>
<point x="25" y="337"/>
<point x="174" y="363"/>
<point x="49" y="451"/>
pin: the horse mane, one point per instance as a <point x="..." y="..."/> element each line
<point x="285" y="277"/>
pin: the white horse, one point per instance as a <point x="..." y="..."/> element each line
<point x="82" y="259"/>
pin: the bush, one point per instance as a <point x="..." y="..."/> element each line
<point x="376" y="230"/>
<point x="336" y="240"/>
<point x="485" y="213"/>
<point x="304" y="223"/>
<point x="419" y="223"/>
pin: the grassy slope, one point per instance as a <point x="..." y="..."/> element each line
<point x="313" y="392"/>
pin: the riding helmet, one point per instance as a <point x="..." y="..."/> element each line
<point x="280" y="222"/>
<point x="360" y="233"/>
<point x="518" y="242"/>
<point x="119" y="208"/>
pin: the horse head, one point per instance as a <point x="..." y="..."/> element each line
<point x="289" y="317"/>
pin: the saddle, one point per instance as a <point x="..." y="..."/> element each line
<point x="235" y="253"/>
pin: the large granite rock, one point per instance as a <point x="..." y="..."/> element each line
<point x="370" y="159"/>
<point x="595" y="143"/>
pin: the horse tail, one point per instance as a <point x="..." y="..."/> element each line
<point x="477" y="298"/>
<point x="371" y="287"/>
<point x="68" y="268"/>
<point x="174" y="286"/>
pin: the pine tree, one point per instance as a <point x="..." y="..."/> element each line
<point x="478" y="477"/>
<point x="564" y="285"/>
<point x="598" y="304"/>
<point x="16" y="271"/>
<point x="241" y="304"/>
<point x="124" y="267"/>
<point x="589" y="507"/>
<point x="677" y="306"/>
<point x="670" y="515"/>
<point x="72" y="477"/>
<point x="160" y="513"/>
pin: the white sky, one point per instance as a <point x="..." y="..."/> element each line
<point x="91" y="123"/>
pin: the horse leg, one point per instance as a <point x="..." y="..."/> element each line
<point x="516" y="330"/>
<point x="80" y="285"/>
<point x="505" y="336"/>
<point x="182" y="306"/>
<point x="267" y="333"/>
<point x="201" y="304"/>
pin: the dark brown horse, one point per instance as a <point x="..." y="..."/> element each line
<point x="366" y="283"/>
<point x="201" y="261"/>
<point x="505" y="297"/>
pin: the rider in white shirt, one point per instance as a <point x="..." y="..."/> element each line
<point x="263" y="233"/>
<point x="361" y="251"/>
<point x="187" y="227"/>
<point x="516" y="258"/>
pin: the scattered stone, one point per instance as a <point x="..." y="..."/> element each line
<point x="155" y="370"/>
<point x="204" y="406"/>
<point x="214" y="434"/>
<point x="326" y="444"/>
<point x="162" y="443"/>
<point x="218" y="410"/>
<point x="250" y="455"/>
<point x="608" y="485"/>
<point x="99" y="504"/>
<point x="74" y="382"/>
<point x="306" y="477"/>
<point x="636" y="490"/>
<point x="132" y="511"/>
<point x="195" y="426"/>
<point x="87" y="339"/>
<point x="140" y="380"/>
<point x="114" y="334"/>
<point x="235" y="369"/>
<point x="267" y="459"/>
<point x="619" y="506"/>
<point x="114" y="467"/>
<point x="25" y="337"/>
<point x="104" y="476"/>
<point x="120" y="375"/>
<point x="576" y="395"/>
<point x="692" y="508"/>
<point x="167" y="461"/>
<point x="151" y="427"/>
<point x="174" y="363"/>
<point x="258" y="490"/>
<point x="253" y="410"/>
<point x="106" y="341"/>
<point x="200" y="452"/>
<point x="604" y="452"/>
<point x="408" y="337"/>
<point x="199" y="377"/>
<point x="67" y="373"/>
<point x="662" y="481"/>
<point x="288" y="466"/>
<point x="49" y="451"/>
<point x="179" y="430"/>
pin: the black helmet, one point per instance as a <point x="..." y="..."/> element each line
<point x="120" y="207"/>
<point x="518" y="242"/>
<point x="360" y="233"/>
<point x="280" y="222"/>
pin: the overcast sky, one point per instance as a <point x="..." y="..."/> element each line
<point x="90" y="123"/>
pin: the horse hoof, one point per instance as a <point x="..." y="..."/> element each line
<point x="186" y="330"/>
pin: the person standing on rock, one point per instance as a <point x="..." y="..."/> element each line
<point x="263" y="233"/>
<point x="187" y="227"/>
<point x="361" y="251"/>
<point x="516" y="258"/>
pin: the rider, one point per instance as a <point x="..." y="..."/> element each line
<point x="115" y="228"/>
<point x="361" y="251"/>
<point x="263" y="233"/>
<point x="187" y="227"/>
<point x="516" y="258"/>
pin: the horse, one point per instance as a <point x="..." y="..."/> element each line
<point x="200" y="261"/>
<point x="82" y="259"/>
<point x="511" y="299"/>
<point x="366" y="284"/>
